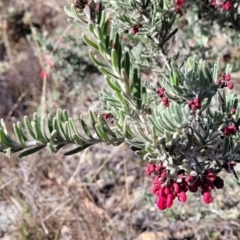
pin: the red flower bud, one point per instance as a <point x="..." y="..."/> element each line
<point x="176" y="187"/>
<point x="182" y="197"/>
<point x="226" y="131"/>
<point x="135" y="29"/>
<point x="227" y="77"/>
<point x="227" y="6"/>
<point x="150" y="167"/>
<point x="193" y="107"/>
<point x="160" y="90"/>
<point x="162" y="192"/>
<point x="167" y="190"/>
<point x="165" y="99"/>
<point x="218" y="82"/>
<point x="233" y="110"/>
<point x="232" y="129"/>
<point x="197" y="100"/>
<point x="170" y="198"/>
<point x="198" y="105"/>
<point x="230" y="85"/>
<point x="164" y="174"/>
<point x="207" y="197"/>
<point x="43" y="74"/>
<point x="189" y="178"/>
<point x="211" y="176"/>
<point x="156" y="189"/>
<point x="158" y="168"/>
<point x="179" y="5"/>
<point x="162" y="203"/>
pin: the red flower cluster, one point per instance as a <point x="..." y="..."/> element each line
<point x="194" y="104"/>
<point x="162" y="95"/>
<point x="167" y="189"/>
<point x="135" y="29"/>
<point x="229" y="130"/>
<point x="223" y="81"/>
<point x="227" y="5"/>
<point x="108" y="117"/>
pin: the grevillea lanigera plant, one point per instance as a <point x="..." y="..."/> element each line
<point x="178" y="118"/>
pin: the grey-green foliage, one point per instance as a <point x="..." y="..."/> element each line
<point x="156" y="19"/>
<point x="54" y="132"/>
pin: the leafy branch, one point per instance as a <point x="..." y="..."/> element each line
<point x="53" y="132"/>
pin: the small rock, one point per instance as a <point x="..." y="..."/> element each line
<point x="153" y="236"/>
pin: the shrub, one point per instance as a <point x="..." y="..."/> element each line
<point x="168" y="118"/>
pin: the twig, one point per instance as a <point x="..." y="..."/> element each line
<point x="53" y="5"/>
<point x="125" y="176"/>
<point x="41" y="62"/>
<point x="104" y="163"/>
<point x="56" y="45"/>
<point x="165" y="60"/>
<point x="7" y="183"/>
<point x="6" y="40"/>
<point x="127" y="188"/>
<point x="51" y="214"/>
<point x="15" y="106"/>
<point x="17" y="204"/>
<point x="71" y="179"/>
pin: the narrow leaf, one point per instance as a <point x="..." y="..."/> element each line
<point x="31" y="151"/>
<point x="225" y="147"/>
<point x="78" y="149"/>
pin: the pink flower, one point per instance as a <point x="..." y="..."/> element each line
<point x="233" y="129"/>
<point x="179" y="4"/>
<point x="230" y="85"/>
<point x="227" y="6"/>
<point x="43" y="74"/>
<point x="150" y="168"/>
<point x="160" y="92"/>
<point x="194" y="104"/>
<point x="226" y="131"/>
<point x="211" y="176"/>
<point x="135" y="29"/>
<point x="213" y="2"/>
<point x="233" y="110"/>
<point x="227" y="77"/>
